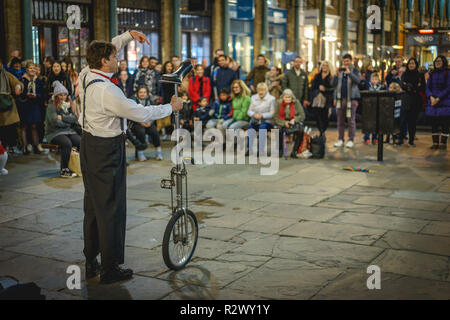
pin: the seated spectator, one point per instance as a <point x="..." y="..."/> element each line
<point x="186" y="114"/>
<point x="203" y="111"/>
<point x="126" y="83"/>
<point x="222" y="77"/>
<point x="141" y="129"/>
<point x="289" y="117"/>
<point x="16" y="68"/>
<point x="240" y="95"/>
<point x="273" y="81"/>
<point x="222" y="110"/>
<point x="59" y="121"/>
<point x="3" y="159"/>
<point x="199" y="86"/>
<point x="29" y="106"/>
<point x="374" y="85"/>
<point x="261" y="110"/>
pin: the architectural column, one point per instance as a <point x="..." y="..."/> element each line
<point x="397" y="5"/>
<point x="27" y="30"/>
<point x="264" y="28"/>
<point x="176" y="28"/>
<point x="226" y="26"/>
<point x="431" y="6"/>
<point x="112" y="19"/>
<point x="421" y="12"/>
<point x="166" y="29"/>
<point x="322" y="29"/>
<point x="345" y="26"/>
<point x="297" y="26"/>
<point x="410" y="6"/>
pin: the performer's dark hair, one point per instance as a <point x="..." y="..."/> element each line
<point x="97" y="51"/>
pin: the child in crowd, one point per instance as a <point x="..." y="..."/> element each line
<point x="222" y="110"/>
<point x="141" y="129"/>
<point x="374" y="85"/>
<point x="186" y="113"/>
<point x="203" y="110"/>
<point x="395" y="87"/>
<point x="3" y="159"/>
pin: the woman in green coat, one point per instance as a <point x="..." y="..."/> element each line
<point x="240" y="94"/>
<point x="289" y="117"/>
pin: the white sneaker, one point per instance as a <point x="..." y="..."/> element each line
<point x="3" y="172"/>
<point x="141" y="156"/>
<point x="40" y="148"/>
<point x="339" y="144"/>
<point x="30" y="148"/>
<point x="350" y="144"/>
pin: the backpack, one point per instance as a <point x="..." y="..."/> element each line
<point x="318" y="147"/>
<point x="12" y="289"/>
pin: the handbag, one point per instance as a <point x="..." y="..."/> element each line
<point x="293" y="129"/>
<point x="74" y="162"/>
<point x="319" y="101"/>
<point x="6" y="103"/>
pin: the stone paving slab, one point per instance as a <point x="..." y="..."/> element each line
<point x="440" y="228"/>
<point x="148" y="235"/>
<point x="414" y="214"/>
<point x="298" y="212"/>
<point x="215" y="233"/>
<point x="402" y="203"/>
<point x="286" y="279"/>
<point x="334" y="232"/>
<point x="11" y="236"/>
<point x="420" y="195"/>
<point x="8" y="213"/>
<point x="7" y="255"/>
<point x="415" y="242"/>
<point x="47" y="220"/>
<point x="352" y="286"/>
<point x="210" y="249"/>
<point x="348" y="206"/>
<point x="366" y="190"/>
<point x="230" y="220"/>
<point x="247" y="259"/>
<point x="288" y="198"/>
<point x="414" y="264"/>
<point x="380" y="221"/>
<point x="193" y="292"/>
<point x="267" y="224"/>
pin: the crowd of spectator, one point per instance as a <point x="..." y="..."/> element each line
<point x="40" y="104"/>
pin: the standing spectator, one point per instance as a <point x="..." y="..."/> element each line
<point x="374" y="85"/>
<point x="159" y="68"/>
<point x="222" y="77"/>
<point x="392" y="74"/>
<point x="126" y="83"/>
<point x="261" y="110"/>
<point x="235" y="66"/>
<point x="438" y="93"/>
<point x="289" y="115"/>
<point x="29" y="105"/>
<point x="16" y="68"/>
<point x="123" y="66"/>
<point x="48" y="62"/>
<point x="199" y="86"/>
<point x="222" y="110"/>
<point x="14" y="54"/>
<point x="296" y="79"/>
<point x="58" y="127"/>
<point x="186" y="114"/>
<point x="241" y="98"/>
<point x="166" y="91"/>
<point x="273" y="81"/>
<point x="215" y="64"/>
<point x="3" y="159"/>
<point x="175" y="62"/>
<point x="346" y="96"/>
<point x="73" y="77"/>
<point x="322" y="95"/>
<point x="43" y="105"/>
<point x="141" y="129"/>
<point x="413" y="83"/>
<point x="57" y="74"/>
<point x="258" y="73"/>
<point x="145" y="76"/>
<point x="10" y="87"/>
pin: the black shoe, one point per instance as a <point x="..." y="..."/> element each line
<point x="434" y="147"/>
<point x="294" y="155"/>
<point x="92" y="269"/>
<point x="36" y="150"/>
<point x="115" y="274"/>
<point x="25" y="151"/>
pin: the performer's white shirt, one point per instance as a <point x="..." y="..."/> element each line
<point x="106" y="103"/>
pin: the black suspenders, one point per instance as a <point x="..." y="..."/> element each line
<point x="122" y="127"/>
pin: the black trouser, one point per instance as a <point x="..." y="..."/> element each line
<point x="440" y="125"/>
<point x="8" y="135"/>
<point x="321" y="115"/>
<point x="103" y="164"/>
<point x="66" y="142"/>
<point x="140" y="132"/>
<point x="298" y="137"/>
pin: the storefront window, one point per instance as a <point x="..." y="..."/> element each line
<point x="196" y="38"/>
<point x="277" y="35"/>
<point x="241" y="44"/>
<point x="147" y="22"/>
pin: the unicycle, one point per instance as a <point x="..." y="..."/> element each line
<point x="181" y="234"/>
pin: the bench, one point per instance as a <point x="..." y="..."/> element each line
<point x="49" y="146"/>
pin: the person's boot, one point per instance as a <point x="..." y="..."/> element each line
<point x="298" y="141"/>
<point x="435" y="145"/>
<point x="36" y="150"/>
<point x="115" y="274"/>
<point x="92" y="268"/>
<point x="444" y="139"/>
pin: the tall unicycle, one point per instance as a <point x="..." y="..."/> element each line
<point x="181" y="234"/>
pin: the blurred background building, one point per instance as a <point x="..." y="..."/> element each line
<point x="314" y="29"/>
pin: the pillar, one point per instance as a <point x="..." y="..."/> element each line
<point x="323" y="13"/>
<point x="397" y="22"/>
<point x="297" y="26"/>
<point x="27" y="34"/>
<point x="345" y="27"/>
<point x="112" y="19"/>
<point x="176" y="28"/>
<point x="265" y="28"/>
<point x="226" y="27"/>
<point x="421" y="12"/>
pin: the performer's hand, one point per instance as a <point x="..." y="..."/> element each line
<point x="177" y="103"/>
<point x="139" y="36"/>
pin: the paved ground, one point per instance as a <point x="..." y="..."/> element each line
<point x="309" y="232"/>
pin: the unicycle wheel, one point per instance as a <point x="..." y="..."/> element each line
<point x="179" y="246"/>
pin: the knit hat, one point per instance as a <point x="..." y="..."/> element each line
<point x="58" y="89"/>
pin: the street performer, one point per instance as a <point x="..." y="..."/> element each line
<point x="104" y="111"/>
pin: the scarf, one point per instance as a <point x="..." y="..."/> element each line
<point x="349" y="92"/>
<point x="4" y="83"/>
<point x="31" y="85"/>
<point x="282" y="113"/>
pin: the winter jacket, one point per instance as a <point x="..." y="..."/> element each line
<point x="222" y="78"/>
<point x="127" y="89"/>
<point x="55" y="127"/>
<point x="327" y="83"/>
<point x="195" y="84"/>
<point x="355" y="79"/>
<point x="240" y="108"/>
<point x="10" y="117"/>
<point x="277" y="90"/>
<point x="299" y="113"/>
<point x="265" y="106"/>
<point x="438" y="86"/>
<point x="257" y="75"/>
<point x="222" y="109"/>
<point x="202" y="113"/>
<point x="146" y="77"/>
<point x="186" y="113"/>
<point x="297" y="83"/>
